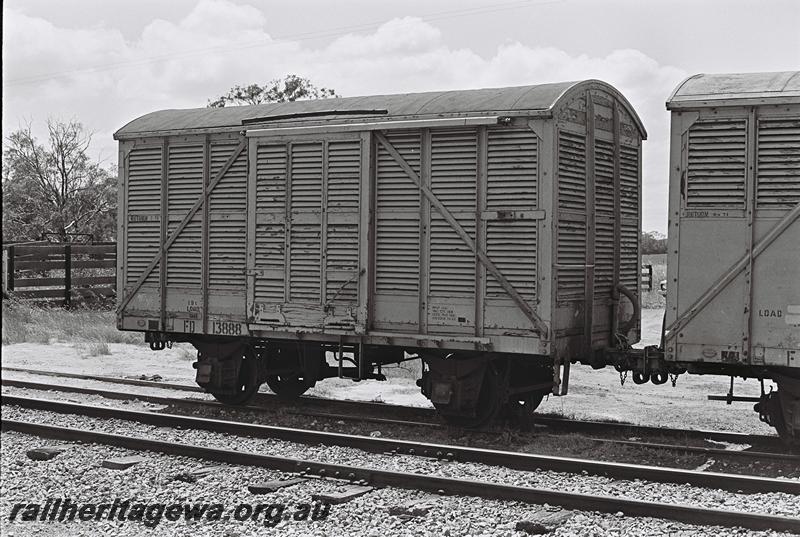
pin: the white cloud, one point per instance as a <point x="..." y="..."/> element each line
<point x="219" y="44"/>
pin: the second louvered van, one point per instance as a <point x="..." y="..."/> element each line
<point x="734" y="236"/>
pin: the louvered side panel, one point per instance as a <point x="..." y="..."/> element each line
<point x="144" y="179"/>
<point x="271" y="178"/>
<point x="142" y="245"/>
<point x="397" y="221"/>
<point x="344" y="175"/>
<point x="226" y="261"/>
<point x="603" y="258"/>
<point x="604" y="218"/>
<point x="184" y="188"/>
<point x="571" y="230"/>
<point x="512" y="248"/>
<point x="397" y="254"/>
<point x="454" y="167"/>
<point x="341" y="246"/>
<point x="144" y="206"/>
<point x="271" y="163"/>
<point x="604" y="178"/>
<point x="341" y="265"/>
<point x="184" y="258"/>
<point x="778" y="184"/>
<point x="511" y="184"/>
<point x="230" y="194"/>
<point x="270" y="262"/>
<point x="512" y="159"/>
<point x="306" y="183"/>
<point x="184" y="177"/>
<point x="304" y="249"/>
<point x="630" y="267"/>
<point x="395" y="191"/>
<point x="571" y="258"/>
<point x="305" y="255"/>
<point x="716" y="164"/>
<point x="629" y="181"/>
<point x="571" y="171"/>
<point x="227" y="229"/>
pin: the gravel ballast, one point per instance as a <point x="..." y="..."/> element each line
<point x="77" y="474"/>
<point x="771" y="503"/>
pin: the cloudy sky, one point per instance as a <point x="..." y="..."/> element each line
<point x="106" y="62"/>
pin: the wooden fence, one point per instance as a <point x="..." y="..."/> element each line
<point x="62" y="272"/>
<point x="66" y="272"/>
<point x="647" y="277"/>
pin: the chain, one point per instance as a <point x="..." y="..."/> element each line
<point x="622" y="342"/>
<point x="673" y="378"/>
<point x="623" y="375"/>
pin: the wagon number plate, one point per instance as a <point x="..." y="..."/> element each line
<point x="223" y="328"/>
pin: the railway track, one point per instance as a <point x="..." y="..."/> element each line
<point x="508" y="459"/>
<point x="195" y="403"/>
<point x="767" y="446"/>
<point x="416" y="481"/>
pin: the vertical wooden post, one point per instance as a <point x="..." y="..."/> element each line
<point x="67" y="275"/>
<point x="10" y="268"/>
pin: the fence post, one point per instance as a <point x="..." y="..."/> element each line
<point x="10" y="280"/>
<point x="67" y="275"/>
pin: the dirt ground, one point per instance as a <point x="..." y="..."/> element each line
<point x="593" y="394"/>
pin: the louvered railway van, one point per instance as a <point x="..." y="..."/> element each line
<point x="492" y="233"/>
<point x="733" y="262"/>
<point x="734" y="234"/>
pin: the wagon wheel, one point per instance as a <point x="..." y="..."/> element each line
<point x="520" y="409"/>
<point x="288" y="386"/>
<point x="247" y="386"/>
<point x="487" y="407"/>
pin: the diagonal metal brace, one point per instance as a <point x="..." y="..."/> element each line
<point x="186" y="219"/>
<point x="537" y="321"/>
<point x="733" y="272"/>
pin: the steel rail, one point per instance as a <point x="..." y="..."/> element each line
<point x="189" y="401"/>
<point x="428" y="413"/>
<point x="414" y="481"/>
<point x="508" y="459"/>
<point x="179" y="402"/>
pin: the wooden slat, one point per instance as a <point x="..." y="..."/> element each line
<point x="38" y="251"/>
<point x="59" y="293"/>
<point x="38" y="282"/>
<point x="94" y="249"/>
<point x="59" y="249"/>
<point x="41" y="293"/>
<point x="56" y="265"/>
<point x="50" y="282"/>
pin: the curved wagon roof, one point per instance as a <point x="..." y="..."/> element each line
<point x="539" y="100"/>
<point x="736" y="89"/>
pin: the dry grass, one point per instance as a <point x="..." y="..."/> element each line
<point x="25" y="323"/>
<point x="97" y="348"/>
<point x="653" y="299"/>
<point x="186" y="352"/>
